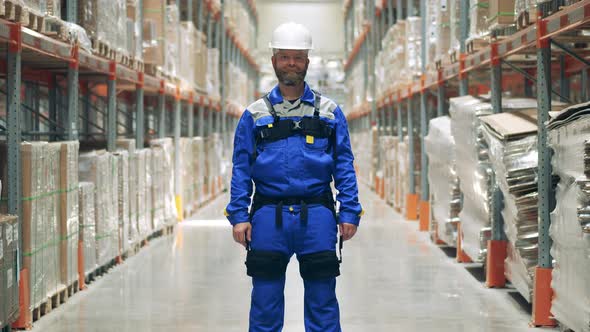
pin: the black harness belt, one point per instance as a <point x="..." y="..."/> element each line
<point x="259" y="201"/>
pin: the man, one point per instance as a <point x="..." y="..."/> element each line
<point x="291" y="144"/>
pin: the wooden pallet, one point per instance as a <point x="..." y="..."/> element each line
<point x="73" y="288"/>
<point x="525" y="19"/>
<point x="15" y="12"/>
<point x="103" y="49"/>
<point x="50" y="303"/>
<point x="100" y="271"/>
<point x="123" y="59"/>
<point x="36" y="21"/>
<point x="454" y="56"/>
<point x="136" y="64"/>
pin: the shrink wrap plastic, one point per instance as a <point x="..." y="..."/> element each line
<point x="169" y="206"/>
<point x="388" y="150"/>
<point x="478" y="16"/>
<point x="88" y="225"/>
<point x="9" y="289"/>
<point x="445" y="195"/>
<point x="69" y="222"/>
<point x="443" y="35"/>
<point x="123" y="200"/>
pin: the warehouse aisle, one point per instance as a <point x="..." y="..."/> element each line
<point x="393" y="279"/>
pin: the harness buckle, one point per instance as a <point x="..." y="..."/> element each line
<point x="297" y="125"/>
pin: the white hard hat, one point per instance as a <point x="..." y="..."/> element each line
<point x="291" y="36"/>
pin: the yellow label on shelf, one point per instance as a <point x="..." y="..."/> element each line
<point x="309" y="139"/>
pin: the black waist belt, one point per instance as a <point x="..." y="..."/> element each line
<point x="326" y="200"/>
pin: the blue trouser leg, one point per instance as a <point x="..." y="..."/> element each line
<point x="267" y="308"/>
<point x="322" y="313"/>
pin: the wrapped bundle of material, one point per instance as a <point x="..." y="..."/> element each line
<point x="443" y="34"/>
<point x="69" y="224"/>
<point x="154" y="31"/>
<point x="143" y="212"/>
<point x="186" y="173"/>
<point x="512" y="140"/>
<point x="172" y="57"/>
<point x="100" y="168"/>
<point x="87" y="225"/>
<point x="199" y="171"/>
<point x="187" y="63"/>
<point x="88" y="15"/>
<point x="402" y="182"/>
<point x="128" y="145"/>
<point x="213" y="72"/>
<point x="134" y="29"/>
<point x="43" y="7"/>
<point x="158" y="187"/>
<point x="123" y="200"/>
<point x="414" y="46"/>
<point x="200" y="55"/>
<point x="149" y="194"/>
<point x="478" y="14"/>
<point x="388" y="156"/>
<point x="455" y="25"/>
<point x="361" y="146"/>
<point x="52" y="252"/>
<point x="9" y="239"/>
<point x="474" y="172"/>
<point x="445" y="195"/>
<point x="105" y="21"/>
<point x="166" y="144"/>
<point x="570" y="221"/>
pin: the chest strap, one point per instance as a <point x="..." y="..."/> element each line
<point x="306" y="126"/>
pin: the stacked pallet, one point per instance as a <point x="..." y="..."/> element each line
<point x="9" y="298"/>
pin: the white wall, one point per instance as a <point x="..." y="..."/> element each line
<point x="324" y="18"/>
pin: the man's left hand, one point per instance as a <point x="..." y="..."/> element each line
<point x="347" y="231"/>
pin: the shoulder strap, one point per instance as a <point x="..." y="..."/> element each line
<point x="316" y="104"/>
<point x="271" y="109"/>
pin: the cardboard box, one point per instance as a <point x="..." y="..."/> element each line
<point x="501" y="12"/>
<point x="69" y="220"/>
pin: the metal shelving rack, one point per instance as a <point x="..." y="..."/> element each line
<point x="542" y="42"/>
<point x="61" y="75"/>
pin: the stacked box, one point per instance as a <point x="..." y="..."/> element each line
<point x="105" y="21"/>
<point x="201" y="55"/>
<point x="199" y="171"/>
<point x="501" y="13"/>
<point x="44" y="7"/>
<point x="100" y="168"/>
<point x="443" y="32"/>
<point x="51" y="254"/>
<point x="455" y="25"/>
<point x="413" y="52"/>
<point x="445" y="196"/>
<point x="402" y="182"/>
<point x="186" y="172"/>
<point x="187" y="62"/>
<point x="9" y="243"/>
<point x="87" y="232"/>
<point x="166" y="145"/>
<point x="69" y="221"/>
<point x="570" y="225"/>
<point x="154" y="31"/>
<point x="128" y="145"/>
<point x="148" y="227"/>
<point x="123" y="200"/>
<point x="134" y="28"/>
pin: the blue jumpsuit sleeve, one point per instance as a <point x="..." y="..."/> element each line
<point x="241" y="181"/>
<point x="344" y="173"/>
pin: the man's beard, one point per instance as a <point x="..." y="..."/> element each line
<point x="291" y="78"/>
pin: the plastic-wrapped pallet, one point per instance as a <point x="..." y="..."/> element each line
<point x="200" y="55"/>
<point x="213" y="72"/>
<point x="188" y="44"/>
<point x="501" y="13"/>
<point x="402" y="182"/>
<point x="570" y="222"/>
<point x="69" y="224"/>
<point x="512" y="140"/>
<point x="128" y="145"/>
<point x="432" y="31"/>
<point x="158" y="187"/>
<point x="123" y="200"/>
<point x="413" y="46"/>
<point x="387" y="157"/>
<point x="51" y="254"/>
<point x="474" y="172"/>
<point x="134" y="29"/>
<point x="44" y="7"/>
<point x="141" y="187"/>
<point x="87" y="225"/>
<point x="445" y="196"/>
<point x="455" y="25"/>
<point x="166" y="144"/>
<point x="148" y="227"/>
<point x="478" y="17"/>
<point x="443" y="34"/>
<point x="100" y="168"/>
<point x="172" y="58"/>
<point x="9" y="238"/>
<point x="154" y="31"/>
<point x="199" y="153"/>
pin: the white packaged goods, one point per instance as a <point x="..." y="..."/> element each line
<point x="570" y="225"/>
<point x="172" y="57"/>
<point x="237" y="18"/>
<point x="166" y="145"/>
<point x="154" y="32"/>
<point x="147" y="229"/>
<point x="199" y="153"/>
<point x="123" y="199"/>
<point x="69" y="223"/>
<point x="455" y="26"/>
<point x="43" y="7"/>
<point x="213" y="73"/>
<point x="158" y="187"/>
<point x="413" y="46"/>
<point x="387" y="149"/>
<point x="474" y="172"/>
<point x="478" y="15"/>
<point x="134" y="29"/>
<point x="444" y="31"/>
<point x="402" y="182"/>
<point x="100" y="168"/>
<point x="105" y="21"/>
<point x="445" y="195"/>
<point x="9" y="252"/>
<point x="390" y="69"/>
<point x="88" y="226"/>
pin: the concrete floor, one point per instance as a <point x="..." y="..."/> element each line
<point x="393" y="279"/>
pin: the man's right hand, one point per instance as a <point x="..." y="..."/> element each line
<point x="242" y="232"/>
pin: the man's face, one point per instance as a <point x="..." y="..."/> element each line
<point x="290" y="66"/>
